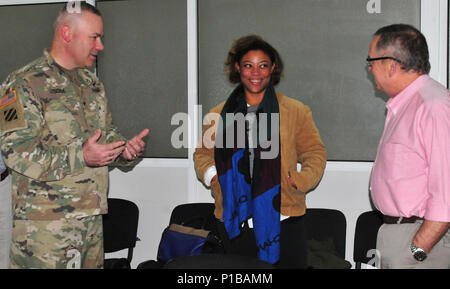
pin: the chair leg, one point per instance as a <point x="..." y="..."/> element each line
<point x="130" y="254"/>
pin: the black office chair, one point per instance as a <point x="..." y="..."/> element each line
<point x="322" y="225"/>
<point x="199" y="215"/>
<point x="120" y="231"/>
<point x="326" y="233"/>
<point x="215" y="260"/>
<point x="366" y="232"/>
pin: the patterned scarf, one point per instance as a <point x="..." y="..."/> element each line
<point x="244" y="197"/>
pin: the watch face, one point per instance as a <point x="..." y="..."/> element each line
<point x="420" y="255"/>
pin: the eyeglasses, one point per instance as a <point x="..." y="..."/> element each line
<point x="369" y="60"/>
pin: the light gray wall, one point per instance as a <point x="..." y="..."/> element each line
<point x="144" y="68"/>
<point x="323" y="44"/>
<point x="25" y="31"/>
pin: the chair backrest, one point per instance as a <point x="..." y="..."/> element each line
<point x="366" y="232"/>
<point x="120" y="226"/>
<point x="325" y="224"/>
<point x="198" y="215"/>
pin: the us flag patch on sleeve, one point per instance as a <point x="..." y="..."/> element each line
<point x="8" y="99"/>
<point x="11" y="113"/>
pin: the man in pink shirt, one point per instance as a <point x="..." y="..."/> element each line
<point x="410" y="182"/>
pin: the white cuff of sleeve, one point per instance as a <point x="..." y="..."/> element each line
<point x="209" y="174"/>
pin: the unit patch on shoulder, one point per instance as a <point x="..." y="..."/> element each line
<point x="11" y="112"/>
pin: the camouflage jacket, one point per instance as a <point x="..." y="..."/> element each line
<point x="47" y="113"/>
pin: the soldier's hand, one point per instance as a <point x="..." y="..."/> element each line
<point x="96" y="154"/>
<point x="135" y="146"/>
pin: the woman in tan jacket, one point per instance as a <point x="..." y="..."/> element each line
<point x="249" y="154"/>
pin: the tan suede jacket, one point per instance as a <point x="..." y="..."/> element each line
<point x="300" y="141"/>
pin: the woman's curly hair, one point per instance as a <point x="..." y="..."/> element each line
<point x="245" y="44"/>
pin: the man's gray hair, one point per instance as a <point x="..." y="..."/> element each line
<point x="407" y="44"/>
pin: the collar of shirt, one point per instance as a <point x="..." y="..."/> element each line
<point x="395" y="103"/>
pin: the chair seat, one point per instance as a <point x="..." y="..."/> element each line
<point x="116" y="263"/>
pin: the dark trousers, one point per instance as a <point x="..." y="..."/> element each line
<point x="292" y="243"/>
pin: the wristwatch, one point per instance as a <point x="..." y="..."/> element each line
<point x="418" y="253"/>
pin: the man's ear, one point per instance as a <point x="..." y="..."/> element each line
<point x="66" y="33"/>
<point x="393" y="67"/>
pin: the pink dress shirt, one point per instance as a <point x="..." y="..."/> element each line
<point x="411" y="172"/>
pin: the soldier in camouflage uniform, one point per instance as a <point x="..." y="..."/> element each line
<point x="57" y="138"/>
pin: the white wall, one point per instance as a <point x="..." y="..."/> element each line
<point x="156" y="191"/>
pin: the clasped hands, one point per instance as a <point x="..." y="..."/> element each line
<point x="96" y="154"/>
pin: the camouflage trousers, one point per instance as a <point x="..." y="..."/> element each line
<point x="61" y="244"/>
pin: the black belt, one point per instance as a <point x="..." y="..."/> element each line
<point x="4" y="175"/>
<point x="400" y="220"/>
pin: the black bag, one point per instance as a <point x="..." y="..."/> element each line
<point x="244" y="244"/>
